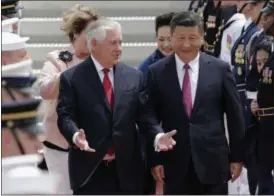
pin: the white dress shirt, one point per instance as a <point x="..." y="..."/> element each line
<point x="101" y="74"/>
<point x="193" y="74"/>
<point x="100" y="71"/>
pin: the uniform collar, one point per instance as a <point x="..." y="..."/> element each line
<point x="247" y="23"/>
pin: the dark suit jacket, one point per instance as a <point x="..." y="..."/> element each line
<point x="202" y="137"/>
<point x="82" y="103"/>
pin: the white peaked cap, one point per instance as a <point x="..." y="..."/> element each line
<point x="11" y="41"/>
<point x="7" y="24"/>
<point x="22" y="176"/>
<point x="22" y="160"/>
<point x="29" y="180"/>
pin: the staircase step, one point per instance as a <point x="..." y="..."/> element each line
<point x="105" y="8"/>
<point x="47" y="30"/>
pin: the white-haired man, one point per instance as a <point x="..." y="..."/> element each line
<point x="100" y="102"/>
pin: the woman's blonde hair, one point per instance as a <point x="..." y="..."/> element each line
<point x="76" y="19"/>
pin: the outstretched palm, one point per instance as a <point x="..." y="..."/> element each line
<point x="166" y="142"/>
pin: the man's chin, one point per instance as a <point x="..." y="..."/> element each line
<point x="116" y="61"/>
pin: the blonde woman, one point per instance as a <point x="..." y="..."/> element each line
<point x="55" y="146"/>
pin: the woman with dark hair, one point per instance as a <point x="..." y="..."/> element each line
<point x="163" y="41"/>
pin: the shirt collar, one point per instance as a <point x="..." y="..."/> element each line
<point x="194" y="64"/>
<point x="247" y="23"/>
<point x="98" y="66"/>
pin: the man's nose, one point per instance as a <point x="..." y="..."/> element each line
<point x="186" y="44"/>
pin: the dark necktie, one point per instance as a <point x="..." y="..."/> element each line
<point x="187" y="91"/>
<point x="109" y="93"/>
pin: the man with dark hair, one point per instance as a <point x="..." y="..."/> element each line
<point x="203" y="89"/>
<point x="231" y="32"/>
<point x="238" y="54"/>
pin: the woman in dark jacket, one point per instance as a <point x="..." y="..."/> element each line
<point x="163" y="41"/>
<point x="154" y="186"/>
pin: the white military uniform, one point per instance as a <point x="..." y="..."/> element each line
<point x="230" y="35"/>
<point x="20" y="174"/>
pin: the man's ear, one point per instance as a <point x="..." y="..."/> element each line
<point x="202" y="41"/>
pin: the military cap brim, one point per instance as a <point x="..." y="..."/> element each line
<point x="255" y="1"/>
<point x="9" y="7"/>
<point x="269" y="8"/>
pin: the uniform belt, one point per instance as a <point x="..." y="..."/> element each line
<point x="262" y="112"/>
<point x="241" y="87"/>
<point x="54" y="147"/>
<point x="251" y="95"/>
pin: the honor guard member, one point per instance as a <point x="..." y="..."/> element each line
<point x="257" y="54"/>
<point x="231" y="32"/>
<point x="238" y="50"/>
<point x="265" y="113"/>
<point x="266" y="20"/>
<point x="261" y="55"/>
<point x="20" y="129"/>
<point x="217" y="21"/>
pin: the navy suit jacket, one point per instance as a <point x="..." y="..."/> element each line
<point x="153" y="58"/>
<point x="82" y="103"/>
<point x="202" y="137"/>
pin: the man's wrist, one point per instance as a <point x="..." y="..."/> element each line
<point x="158" y="136"/>
<point x="75" y="137"/>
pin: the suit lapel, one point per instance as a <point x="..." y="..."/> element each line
<point x="93" y="80"/>
<point x="204" y="74"/>
<point x="119" y="83"/>
<point x="173" y="82"/>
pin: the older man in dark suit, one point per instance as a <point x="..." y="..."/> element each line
<point x="190" y="92"/>
<point x="100" y="101"/>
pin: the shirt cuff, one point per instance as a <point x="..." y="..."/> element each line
<point x="158" y="136"/>
<point x="74" y="137"/>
